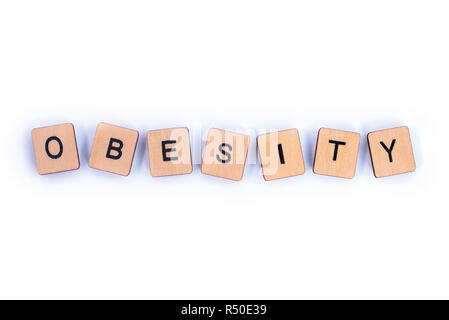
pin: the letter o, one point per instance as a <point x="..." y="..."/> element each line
<point x="47" y="143"/>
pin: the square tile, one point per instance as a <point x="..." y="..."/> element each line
<point x="169" y="152"/>
<point x="113" y="149"/>
<point x="391" y="152"/>
<point x="225" y="154"/>
<point x="336" y="153"/>
<point x="55" y="148"/>
<point x="281" y="154"/>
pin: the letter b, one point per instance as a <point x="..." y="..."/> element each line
<point x="117" y="149"/>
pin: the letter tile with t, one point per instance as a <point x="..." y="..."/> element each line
<point x="169" y="152"/>
<point x="391" y="152"/>
<point x="281" y="154"/>
<point x="55" y="148"/>
<point x="225" y="154"/>
<point x="336" y="153"/>
<point x="113" y="149"/>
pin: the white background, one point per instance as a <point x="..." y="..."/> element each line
<point x="241" y="65"/>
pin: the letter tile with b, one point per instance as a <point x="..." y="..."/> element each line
<point x="336" y="153"/>
<point x="225" y="154"/>
<point x="55" y="148"/>
<point x="391" y="152"/>
<point x="113" y="149"/>
<point x="169" y="152"/>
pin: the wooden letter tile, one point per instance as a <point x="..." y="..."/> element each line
<point x="391" y="152"/>
<point x="169" y="152"/>
<point x="225" y="154"/>
<point x="336" y="153"/>
<point x="55" y="148"/>
<point x="281" y="154"/>
<point x="113" y="149"/>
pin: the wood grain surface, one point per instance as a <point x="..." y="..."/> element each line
<point x="281" y="154"/>
<point x="336" y="153"/>
<point x="169" y="152"/>
<point x="391" y="151"/>
<point x="55" y="148"/>
<point x="225" y="154"/>
<point x="113" y="149"/>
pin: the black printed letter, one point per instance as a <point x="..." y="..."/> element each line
<point x="224" y="152"/>
<point x="117" y="149"/>
<point x="337" y="143"/>
<point x="53" y="156"/>
<point x="389" y="150"/>
<point x="281" y="154"/>
<point x="167" y="150"/>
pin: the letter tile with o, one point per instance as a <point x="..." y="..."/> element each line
<point x="55" y="148"/>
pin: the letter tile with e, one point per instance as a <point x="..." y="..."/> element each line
<point x="169" y="152"/>
<point x="391" y="152"/>
<point x="113" y="149"/>
<point x="336" y="153"/>
<point x="55" y="148"/>
<point x="280" y="154"/>
<point x="225" y="154"/>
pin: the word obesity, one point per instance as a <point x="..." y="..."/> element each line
<point x="225" y="152"/>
